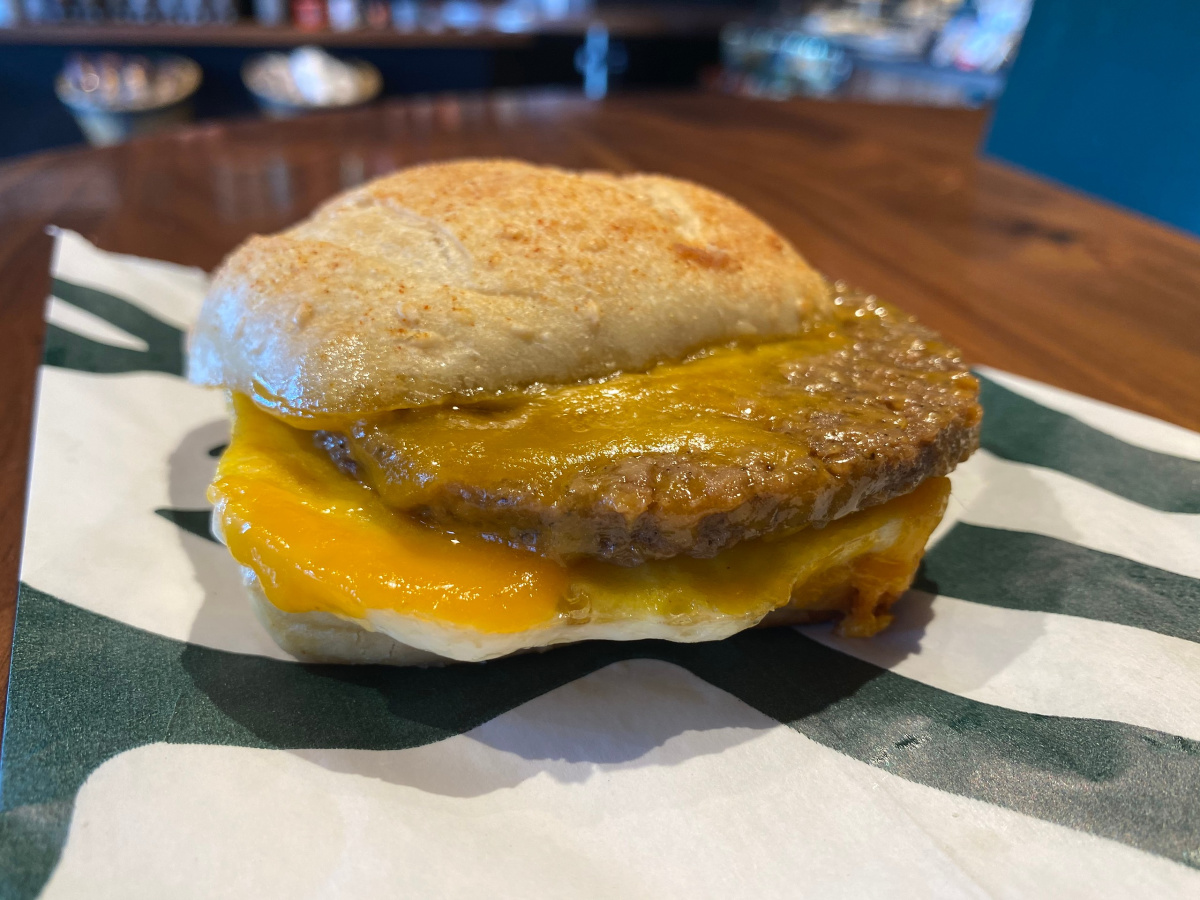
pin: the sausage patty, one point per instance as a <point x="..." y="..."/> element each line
<point x="688" y="458"/>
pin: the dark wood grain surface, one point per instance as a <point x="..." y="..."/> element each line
<point x="1021" y="274"/>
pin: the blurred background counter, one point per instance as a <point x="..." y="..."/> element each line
<point x="930" y="52"/>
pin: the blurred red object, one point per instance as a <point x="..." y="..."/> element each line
<point x="309" y="15"/>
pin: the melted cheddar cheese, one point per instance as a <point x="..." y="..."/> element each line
<point x="319" y="541"/>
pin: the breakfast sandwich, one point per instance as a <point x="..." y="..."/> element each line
<point x="482" y="407"/>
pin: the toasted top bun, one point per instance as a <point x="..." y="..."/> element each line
<point x="464" y="277"/>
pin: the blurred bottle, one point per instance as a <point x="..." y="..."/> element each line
<point x="345" y="15"/>
<point x="515" y="16"/>
<point x="270" y="12"/>
<point x="378" y="14"/>
<point x="40" y="11"/>
<point x="462" y="15"/>
<point x="193" y="12"/>
<point x="406" y="15"/>
<point x="309" y="15"/>
<point x="86" y="11"/>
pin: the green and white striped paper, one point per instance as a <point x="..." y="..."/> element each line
<point x="1029" y="727"/>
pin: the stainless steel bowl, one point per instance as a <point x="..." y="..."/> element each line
<point x="268" y="80"/>
<point x="114" y="97"/>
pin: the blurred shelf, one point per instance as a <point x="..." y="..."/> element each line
<point x="623" y="23"/>
<point x="246" y="35"/>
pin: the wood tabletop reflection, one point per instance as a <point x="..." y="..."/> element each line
<point x="1021" y="274"/>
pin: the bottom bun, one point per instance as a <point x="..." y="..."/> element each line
<point x="320" y="637"/>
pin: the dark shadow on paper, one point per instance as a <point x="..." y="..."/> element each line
<point x="576" y="711"/>
<point x="630" y="714"/>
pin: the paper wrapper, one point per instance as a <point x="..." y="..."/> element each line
<point x="1028" y="727"/>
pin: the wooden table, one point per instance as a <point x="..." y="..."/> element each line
<point x="1021" y="274"/>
